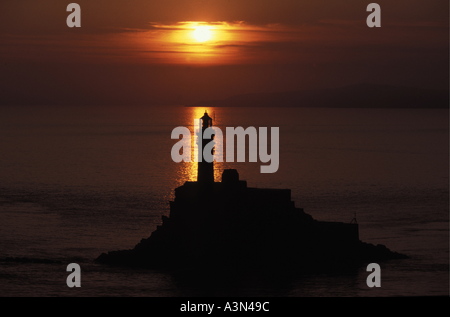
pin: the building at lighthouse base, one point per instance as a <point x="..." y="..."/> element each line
<point x="230" y="225"/>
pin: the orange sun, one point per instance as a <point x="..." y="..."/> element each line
<point x="202" y="33"/>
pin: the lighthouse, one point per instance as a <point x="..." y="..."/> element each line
<point x="205" y="172"/>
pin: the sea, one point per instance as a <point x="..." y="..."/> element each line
<point x="76" y="182"/>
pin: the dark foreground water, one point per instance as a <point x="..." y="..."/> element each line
<point x="76" y="182"/>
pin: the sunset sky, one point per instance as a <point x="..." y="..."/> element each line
<point x="184" y="51"/>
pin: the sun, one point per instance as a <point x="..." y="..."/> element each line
<point x="202" y="33"/>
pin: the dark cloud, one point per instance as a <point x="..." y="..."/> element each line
<point x="99" y="15"/>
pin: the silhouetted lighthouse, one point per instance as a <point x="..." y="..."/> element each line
<point x="205" y="169"/>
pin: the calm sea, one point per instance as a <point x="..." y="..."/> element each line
<point x="79" y="181"/>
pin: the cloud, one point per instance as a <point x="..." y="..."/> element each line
<point x="232" y="42"/>
<point x="144" y="50"/>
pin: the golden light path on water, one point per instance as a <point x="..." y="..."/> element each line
<point x="187" y="171"/>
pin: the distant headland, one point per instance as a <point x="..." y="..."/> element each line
<point x="354" y="96"/>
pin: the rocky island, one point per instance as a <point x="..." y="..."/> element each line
<point x="230" y="225"/>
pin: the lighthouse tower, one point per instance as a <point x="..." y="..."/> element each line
<point x="205" y="169"/>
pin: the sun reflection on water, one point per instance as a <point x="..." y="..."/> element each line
<point x="187" y="171"/>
